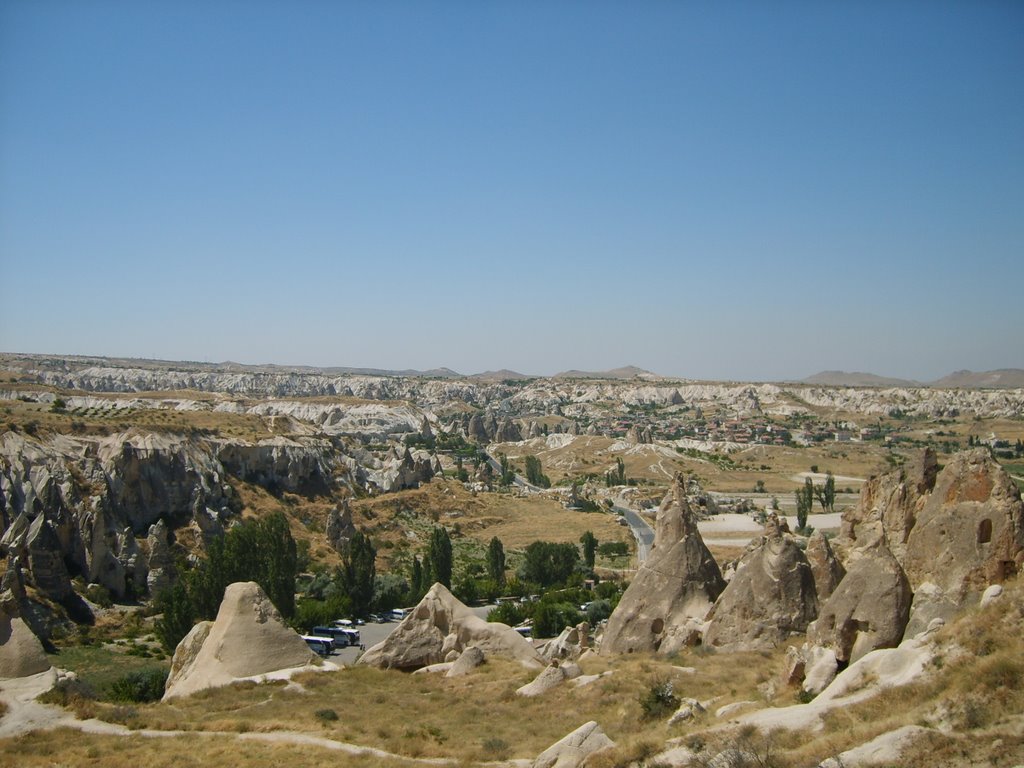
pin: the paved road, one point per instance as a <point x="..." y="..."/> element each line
<point x="642" y="532"/>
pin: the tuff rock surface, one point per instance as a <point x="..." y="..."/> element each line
<point x="248" y="638"/>
<point x="666" y="603"/>
<point x="441" y="623"/>
<point x="770" y="597"/>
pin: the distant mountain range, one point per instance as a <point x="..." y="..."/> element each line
<point x="627" y="372"/>
<point x="1004" y="378"/>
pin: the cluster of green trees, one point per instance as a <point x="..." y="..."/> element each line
<point x="256" y="550"/>
<point x="436" y="566"/>
<point x="616" y="476"/>
<point x="558" y="609"/>
<point x="534" y="474"/>
<point x="825" y="494"/>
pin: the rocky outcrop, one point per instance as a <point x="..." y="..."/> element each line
<point x="340" y="528"/>
<point x="21" y="653"/>
<point x="770" y="597"/>
<point x="825" y="566"/>
<point x="970" y="531"/>
<point x="280" y="463"/>
<point x="666" y="603"/>
<point x="889" y="506"/>
<point x="161" y="562"/>
<point x="440" y="624"/>
<point x="405" y="471"/>
<point x="507" y="432"/>
<point x="248" y="638"/>
<point x="574" y="749"/>
<point x="868" y="610"/>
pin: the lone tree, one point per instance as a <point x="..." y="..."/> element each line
<point x="496" y="561"/>
<point x="359" y="572"/>
<point x="437" y="564"/>
<point x="589" y="542"/>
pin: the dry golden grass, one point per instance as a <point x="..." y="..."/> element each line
<point x="73" y="749"/>
<point x="515" y="520"/>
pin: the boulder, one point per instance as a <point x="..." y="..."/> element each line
<point x="665" y="605"/>
<point x="970" y="531"/>
<point x="825" y="566"/>
<point x="439" y="624"/>
<point x="247" y="639"/>
<point x="869" y="608"/>
<point x="572" y="750"/>
<point x="567" y="645"/>
<point x="21" y="653"/>
<point x="820" y="668"/>
<point x="470" y="659"/>
<point x="549" y="678"/>
<point x="771" y="597"/>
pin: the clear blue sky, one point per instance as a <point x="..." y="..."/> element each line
<point x="714" y="190"/>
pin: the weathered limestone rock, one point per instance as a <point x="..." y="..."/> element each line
<point x="869" y="608"/>
<point x="507" y="432"/>
<point x="688" y="709"/>
<point x="572" y="750"/>
<point x="820" y="668"/>
<point x="441" y="623"/>
<point x="771" y="597"/>
<point x="475" y="430"/>
<point x="970" y="531"/>
<point x="568" y="645"/>
<point x="827" y="569"/>
<point x="21" y="653"/>
<point x="248" y="638"/>
<point x="888" y="507"/>
<point x="470" y="659"/>
<point x="161" y="562"/>
<point x="340" y="528"/>
<point x="665" y="605"/>
<point x="549" y="678"/>
<point x="49" y="574"/>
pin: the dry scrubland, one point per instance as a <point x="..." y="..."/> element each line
<point x="977" y="692"/>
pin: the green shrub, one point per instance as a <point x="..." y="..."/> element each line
<point x="326" y="715"/>
<point x="659" y="700"/>
<point x="143" y="686"/>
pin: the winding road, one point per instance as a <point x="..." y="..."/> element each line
<point x="642" y="531"/>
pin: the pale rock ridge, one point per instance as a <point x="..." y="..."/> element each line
<point x="439" y="624"/>
<point x="665" y="605"/>
<point x="770" y="597"/>
<point x="248" y="638"/>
